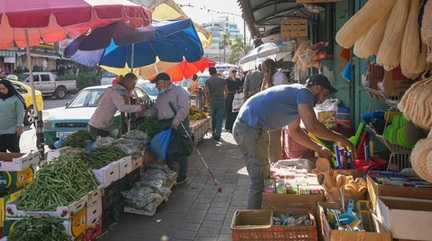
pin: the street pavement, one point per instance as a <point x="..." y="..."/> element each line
<point x="195" y="211"/>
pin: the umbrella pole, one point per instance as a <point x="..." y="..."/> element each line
<point x="129" y="122"/>
<point x="38" y="122"/>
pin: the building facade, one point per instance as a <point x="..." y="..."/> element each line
<point x="221" y="29"/>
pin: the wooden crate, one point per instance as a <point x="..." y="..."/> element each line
<point x="294" y="28"/>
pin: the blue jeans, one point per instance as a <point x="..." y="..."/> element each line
<point x="217" y="114"/>
<point x="253" y="143"/>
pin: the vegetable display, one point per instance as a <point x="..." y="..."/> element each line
<point x="195" y="115"/>
<point x="78" y="139"/>
<point x="60" y="183"/>
<point x="103" y="156"/>
<point x="150" y="126"/>
<point x="31" y="229"/>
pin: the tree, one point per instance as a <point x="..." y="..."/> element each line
<point x="238" y="50"/>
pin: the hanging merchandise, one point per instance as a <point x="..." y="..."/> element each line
<point x="390" y="49"/>
<point x="416" y="104"/>
<point x="369" y="44"/>
<point x="362" y="21"/>
<point x="413" y="53"/>
<point x="426" y="29"/>
<point x="421" y="159"/>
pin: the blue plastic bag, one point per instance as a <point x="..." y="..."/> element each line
<point x="347" y="72"/>
<point x="160" y="143"/>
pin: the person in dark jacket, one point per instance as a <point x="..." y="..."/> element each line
<point x="233" y="84"/>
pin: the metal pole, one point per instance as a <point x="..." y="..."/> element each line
<point x="38" y="121"/>
<point x="244" y="34"/>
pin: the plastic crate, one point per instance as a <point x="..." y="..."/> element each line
<point x="256" y="225"/>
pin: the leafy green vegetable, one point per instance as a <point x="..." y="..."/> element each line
<point x="78" y="139"/>
<point x="103" y="156"/>
<point x="151" y="126"/>
<point x="31" y="229"/>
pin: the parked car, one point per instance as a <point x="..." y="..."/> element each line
<point x="63" y="121"/>
<point x="26" y="93"/>
<point x="50" y="85"/>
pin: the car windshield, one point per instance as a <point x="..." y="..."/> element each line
<point x="87" y="98"/>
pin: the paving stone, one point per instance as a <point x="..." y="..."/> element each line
<point x="195" y="211"/>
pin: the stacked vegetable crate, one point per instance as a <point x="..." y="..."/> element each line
<point x="60" y="196"/>
<point x="15" y="174"/>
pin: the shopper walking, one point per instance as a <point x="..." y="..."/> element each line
<point x="12" y="117"/>
<point x="252" y="83"/>
<point x="215" y="94"/>
<point x="233" y="85"/>
<point x="275" y="108"/>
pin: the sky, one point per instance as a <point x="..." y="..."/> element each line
<point x="199" y="13"/>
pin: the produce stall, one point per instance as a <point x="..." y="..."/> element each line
<point x="83" y="188"/>
<point x="200" y="124"/>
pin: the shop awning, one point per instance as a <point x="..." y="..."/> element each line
<point x="264" y="15"/>
<point x="268" y="50"/>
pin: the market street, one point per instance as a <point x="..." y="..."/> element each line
<point x="195" y="211"/>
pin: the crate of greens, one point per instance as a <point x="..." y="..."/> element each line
<point x="59" y="189"/>
<point x="30" y="229"/>
<point x="104" y="164"/>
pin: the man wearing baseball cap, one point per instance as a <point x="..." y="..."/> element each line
<point x="274" y="108"/>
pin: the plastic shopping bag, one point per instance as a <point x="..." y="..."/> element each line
<point x="160" y="143"/>
<point x="237" y="101"/>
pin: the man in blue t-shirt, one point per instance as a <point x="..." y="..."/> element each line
<point x="275" y="108"/>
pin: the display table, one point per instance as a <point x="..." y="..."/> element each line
<point x="200" y="128"/>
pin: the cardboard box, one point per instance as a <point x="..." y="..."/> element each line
<point x="329" y="234"/>
<point x="21" y="163"/>
<point x="377" y="190"/>
<point x="125" y="166"/>
<point x="251" y="224"/>
<point x="107" y="174"/>
<point x="406" y="218"/>
<point x="4" y="201"/>
<point x="65" y="212"/>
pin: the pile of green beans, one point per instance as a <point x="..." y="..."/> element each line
<point x="103" y="156"/>
<point x="60" y="183"/>
<point x="31" y="229"/>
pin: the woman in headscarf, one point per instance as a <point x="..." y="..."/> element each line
<point x="12" y="117"/>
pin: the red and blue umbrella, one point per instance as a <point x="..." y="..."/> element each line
<point x="118" y="47"/>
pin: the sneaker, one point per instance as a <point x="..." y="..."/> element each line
<point x="182" y="180"/>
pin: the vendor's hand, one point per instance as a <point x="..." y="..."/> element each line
<point x="325" y="153"/>
<point x="19" y="130"/>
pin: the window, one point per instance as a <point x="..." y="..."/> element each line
<point x="87" y="98"/>
<point x="45" y="77"/>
